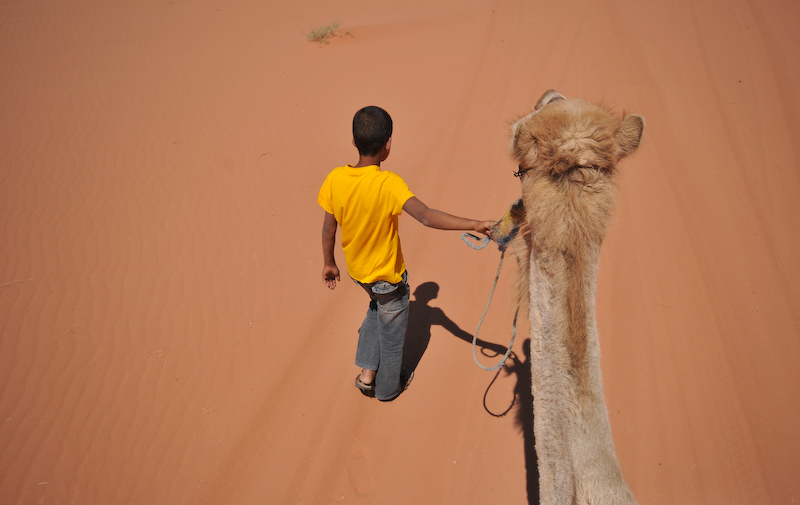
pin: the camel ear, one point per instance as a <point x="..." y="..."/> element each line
<point x="550" y="95"/>
<point x="523" y="144"/>
<point x="629" y="134"/>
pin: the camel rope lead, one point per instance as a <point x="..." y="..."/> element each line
<point x="503" y="232"/>
<point x="478" y="329"/>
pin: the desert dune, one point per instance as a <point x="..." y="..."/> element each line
<point x="165" y="336"/>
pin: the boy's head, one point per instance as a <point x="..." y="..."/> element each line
<point x="372" y="129"/>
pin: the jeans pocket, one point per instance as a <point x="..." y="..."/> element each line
<point x="384" y="287"/>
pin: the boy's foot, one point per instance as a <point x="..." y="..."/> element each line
<point x="367" y="390"/>
<point x="406" y="376"/>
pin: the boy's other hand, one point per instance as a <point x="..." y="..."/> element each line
<point x="330" y="274"/>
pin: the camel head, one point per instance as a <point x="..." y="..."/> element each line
<point x="567" y="152"/>
<point x="572" y="138"/>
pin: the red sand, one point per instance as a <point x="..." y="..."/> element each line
<point x="166" y="337"/>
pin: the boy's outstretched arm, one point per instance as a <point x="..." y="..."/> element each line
<point x="433" y="218"/>
<point x="330" y="272"/>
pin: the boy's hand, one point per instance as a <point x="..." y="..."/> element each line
<point x="330" y="274"/>
<point x="484" y="227"/>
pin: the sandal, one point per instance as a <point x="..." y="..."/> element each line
<point x="367" y="390"/>
<point x="406" y="376"/>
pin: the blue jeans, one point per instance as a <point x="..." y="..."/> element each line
<point x="383" y="334"/>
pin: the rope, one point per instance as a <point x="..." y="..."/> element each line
<point x="489" y="302"/>
<point x="482" y="243"/>
<point x="503" y="232"/>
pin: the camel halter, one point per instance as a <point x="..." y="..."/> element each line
<point x="503" y="232"/>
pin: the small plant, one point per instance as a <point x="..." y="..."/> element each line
<point x="323" y="34"/>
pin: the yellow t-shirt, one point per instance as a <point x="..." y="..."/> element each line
<point x="366" y="203"/>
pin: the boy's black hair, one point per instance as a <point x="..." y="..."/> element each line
<point x="372" y="129"/>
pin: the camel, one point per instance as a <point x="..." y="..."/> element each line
<point x="567" y="151"/>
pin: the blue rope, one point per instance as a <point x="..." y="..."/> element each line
<point x="482" y="243"/>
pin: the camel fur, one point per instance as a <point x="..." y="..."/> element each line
<point x="568" y="151"/>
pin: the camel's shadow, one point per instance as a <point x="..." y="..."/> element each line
<point x="523" y="399"/>
<point x="422" y="317"/>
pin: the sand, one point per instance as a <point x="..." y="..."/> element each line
<point x="165" y="334"/>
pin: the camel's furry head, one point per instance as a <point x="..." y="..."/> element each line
<point x="567" y="151"/>
<point x="563" y="135"/>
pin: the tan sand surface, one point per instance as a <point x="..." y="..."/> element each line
<point x="165" y="336"/>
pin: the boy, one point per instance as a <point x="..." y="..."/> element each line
<point x="366" y="202"/>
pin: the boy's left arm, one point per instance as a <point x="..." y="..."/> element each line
<point x="433" y="218"/>
<point x="330" y="272"/>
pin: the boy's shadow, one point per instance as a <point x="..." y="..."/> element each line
<point x="421" y="317"/>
